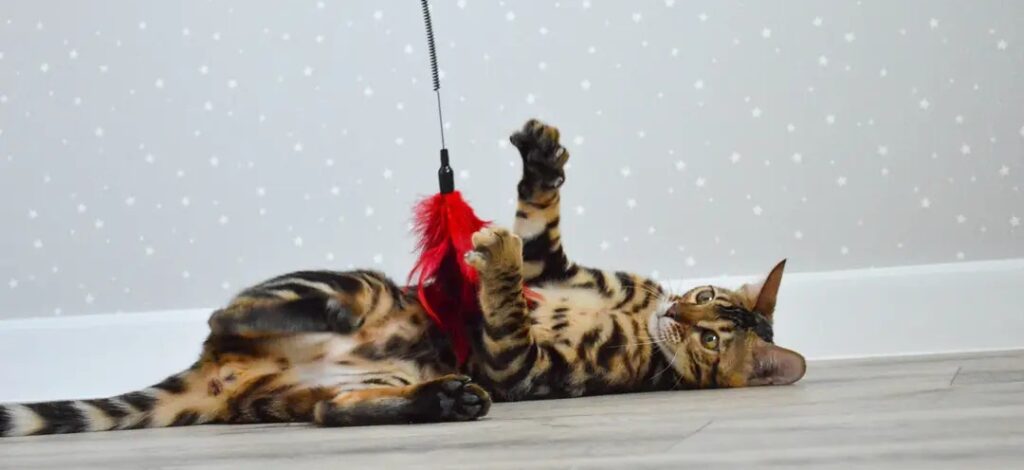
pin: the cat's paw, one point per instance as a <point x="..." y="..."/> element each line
<point x="495" y="249"/>
<point x="454" y="398"/>
<point x="544" y="157"/>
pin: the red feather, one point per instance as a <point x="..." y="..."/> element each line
<point x="445" y="284"/>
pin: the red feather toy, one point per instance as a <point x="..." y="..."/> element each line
<point x="446" y="285"/>
<point x="445" y="224"/>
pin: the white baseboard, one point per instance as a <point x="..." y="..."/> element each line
<point x="838" y="314"/>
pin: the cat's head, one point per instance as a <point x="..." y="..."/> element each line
<point x="718" y="337"/>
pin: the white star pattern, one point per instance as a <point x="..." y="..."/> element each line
<point x="299" y="153"/>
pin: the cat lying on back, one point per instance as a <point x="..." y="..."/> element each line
<point x="353" y="348"/>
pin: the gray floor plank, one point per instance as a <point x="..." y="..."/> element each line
<point x="947" y="411"/>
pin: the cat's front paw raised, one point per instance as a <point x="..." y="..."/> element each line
<point x="544" y="157"/>
<point x="495" y="250"/>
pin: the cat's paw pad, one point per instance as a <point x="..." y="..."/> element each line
<point x="476" y="259"/>
<point x="458" y="399"/>
<point x="495" y="247"/>
<point x="543" y="156"/>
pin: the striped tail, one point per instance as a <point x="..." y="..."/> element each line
<point x="173" y="402"/>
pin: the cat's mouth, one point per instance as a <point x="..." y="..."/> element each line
<point x="665" y="331"/>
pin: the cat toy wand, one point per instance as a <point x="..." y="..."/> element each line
<point x="445" y="223"/>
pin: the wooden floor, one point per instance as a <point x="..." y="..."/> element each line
<point x="952" y="411"/>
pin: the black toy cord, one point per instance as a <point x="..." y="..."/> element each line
<point x="445" y="175"/>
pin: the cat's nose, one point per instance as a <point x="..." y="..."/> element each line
<point x="674" y="312"/>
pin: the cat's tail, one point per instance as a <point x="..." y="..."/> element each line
<point x="179" y="400"/>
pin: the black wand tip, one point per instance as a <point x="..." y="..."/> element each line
<point x="445" y="175"/>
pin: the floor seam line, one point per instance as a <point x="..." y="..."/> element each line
<point x="955" y="375"/>
<point x="688" y="436"/>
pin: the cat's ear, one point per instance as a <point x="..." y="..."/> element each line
<point x="760" y="297"/>
<point x="774" y="365"/>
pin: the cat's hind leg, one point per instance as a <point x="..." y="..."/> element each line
<point x="308" y="302"/>
<point x="449" y="398"/>
<point x="262" y="317"/>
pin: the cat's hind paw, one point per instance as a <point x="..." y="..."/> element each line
<point x="453" y="398"/>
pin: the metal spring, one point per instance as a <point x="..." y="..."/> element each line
<point x="430" y="44"/>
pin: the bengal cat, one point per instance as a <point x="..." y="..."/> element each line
<point x="353" y="348"/>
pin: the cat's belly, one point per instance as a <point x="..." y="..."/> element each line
<point x="333" y="361"/>
<point x="576" y="299"/>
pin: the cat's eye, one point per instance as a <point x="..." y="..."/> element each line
<point x="709" y="339"/>
<point x="704" y="296"/>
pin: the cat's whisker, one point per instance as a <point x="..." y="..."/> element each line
<point x="655" y="292"/>
<point x="671" y="365"/>
<point x="644" y="343"/>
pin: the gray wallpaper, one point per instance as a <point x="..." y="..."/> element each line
<point x="157" y="155"/>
